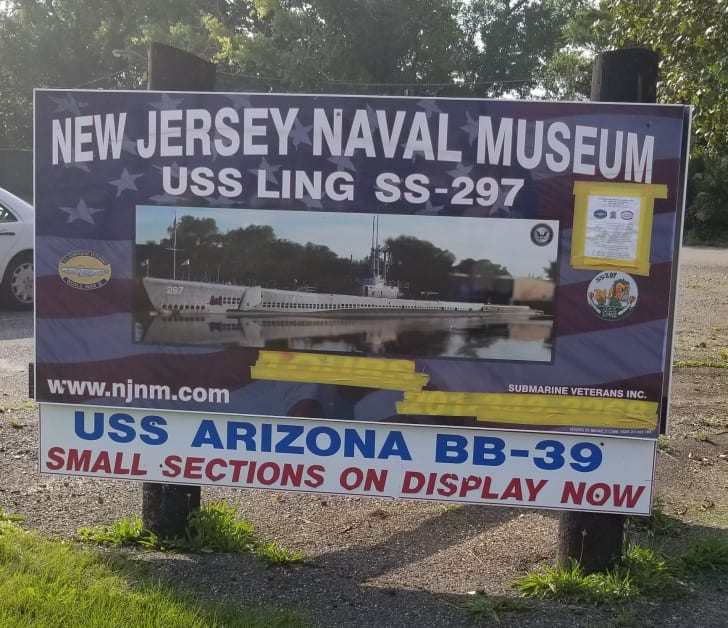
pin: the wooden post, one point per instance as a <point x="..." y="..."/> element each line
<point x="627" y="75"/>
<point x="172" y="69"/>
<point x="596" y="540"/>
<point x="166" y="507"/>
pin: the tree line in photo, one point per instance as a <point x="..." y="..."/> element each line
<point x="254" y="255"/>
<point x="458" y="48"/>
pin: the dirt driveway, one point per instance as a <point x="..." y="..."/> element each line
<point x="373" y="562"/>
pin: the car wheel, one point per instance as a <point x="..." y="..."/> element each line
<point x="17" y="287"/>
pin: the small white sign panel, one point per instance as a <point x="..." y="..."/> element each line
<point x="509" y="468"/>
<point x="612" y="227"/>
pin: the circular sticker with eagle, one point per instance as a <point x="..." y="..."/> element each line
<point x="612" y="295"/>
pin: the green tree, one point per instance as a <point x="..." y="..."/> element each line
<point x="691" y="37"/>
<point x="423" y="266"/>
<point x="361" y="46"/>
<point x="71" y="44"/>
<point x="512" y="41"/>
<point x="427" y="47"/>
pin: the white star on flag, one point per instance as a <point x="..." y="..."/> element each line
<point x="68" y="104"/>
<point x="299" y="135"/>
<point x="460" y="171"/>
<point x="125" y="182"/>
<point x="430" y="106"/>
<point x="470" y="127"/>
<point x="269" y="170"/>
<point x="166" y="102"/>
<point x="81" y="212"/>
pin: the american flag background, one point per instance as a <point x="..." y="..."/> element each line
<point x="89" y="204"/>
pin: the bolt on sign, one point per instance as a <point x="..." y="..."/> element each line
<point x="444" y="299"/>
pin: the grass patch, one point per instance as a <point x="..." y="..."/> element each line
<point x="450" y="507"/>
<point x="6" y="516"/>
<point x="123" y="533"/>
<point x="51" y="583"/>
<point x="709" y="554"/>
<point x="663" y="443"/>
<point x="214" y="527"/>
<point x="699" y="436"/>
<point x="714" y="421"/>
<point x="639" y="574"/>
<point x="481" y="606"/>
<point x="22" y="406"/>
<point x="716" y="364"/>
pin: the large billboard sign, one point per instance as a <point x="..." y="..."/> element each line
<point x="495" y="269"/>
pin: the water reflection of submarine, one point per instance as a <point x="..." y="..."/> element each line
<point x="256" y="332"/>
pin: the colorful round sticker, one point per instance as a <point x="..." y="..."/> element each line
<point x="84" y="270"/>
<point x="612" y="295"/>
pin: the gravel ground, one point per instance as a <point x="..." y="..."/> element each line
<point x="374" y="562"/>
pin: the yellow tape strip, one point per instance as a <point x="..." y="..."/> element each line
<point x="372" y="379"/>
<point x="508" y="400"/>
<point x="515" y="416"/>
<point x="317" y="360"/>
<point x="647" y="193"/>
<point x="534" y="409"/>
<point x="338" y="370"/>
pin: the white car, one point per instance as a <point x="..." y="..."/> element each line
<point x="16" y="251"/>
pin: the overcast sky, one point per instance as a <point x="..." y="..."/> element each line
<point x="501" y="240"/>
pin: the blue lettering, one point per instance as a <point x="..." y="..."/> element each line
<point x="125" y="426"/>
<point x="79" y="425"/>
<point x="488" y="450"/>
<point x="353" y="440"/>
<point x="334" y="441"/>
<point x="451" y="448"/>
<point x="240" y="431"/>
<point x="156" y="434"/>
<point x="207" y="435"/>
<point x="395" y="446"/>
<point x="266" y="436"/>
<point x="291" y="433"/>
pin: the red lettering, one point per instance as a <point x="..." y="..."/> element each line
<point x="413" y="482"/>
<point x="250" y="477"/>
<point x="597" y="494"/>
<point x="486" y="492"/>
<point x="78" y="461"/>
<point x="118" y="467"/>
<point x="351" y="478"/>
<point x="210" y="469"/>
<point x="135" y="468"/>
<point x="292" y="475"/>
<point x="513" y="490"/>
<point x="193" y="468"/>
<point x="534" y="488"/>
<point x="173" y="466"/>
<point x="56" y="456"/>
<point x="449" y="481"/>
<point x="315" y="473"/>
<point x="470" y="483"/>
<point x="570" y="492"/>
<point x="622" y="494"/>
<point x="275" y="473"/>
<point x="102" y="463"/>
<point x="237" y="466"/>
<point x="375" y="480"/>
